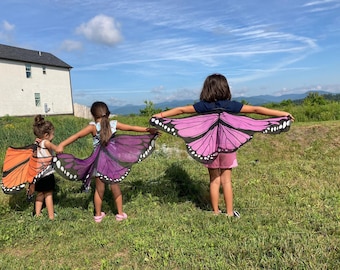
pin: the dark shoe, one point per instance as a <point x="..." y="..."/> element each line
<point x="30" y="192"/>
<point x="235" y="215"/>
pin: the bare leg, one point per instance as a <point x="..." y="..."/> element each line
<point x="49" y="204"/>
<point x="227" y="190"/>
<point x="30" y="191"/>
<point x="117" y="195"/>
<point x="39" y="200"/>
<point x="215" y="183"/>
<point x="98" y="196"/>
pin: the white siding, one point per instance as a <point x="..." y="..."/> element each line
<point x="17" y="92"/>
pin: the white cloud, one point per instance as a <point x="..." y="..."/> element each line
<point x="7" y="26"/>
<point x="6" y="31"/>
<point x="71" y="45"/>
<point x="101" y="29"/>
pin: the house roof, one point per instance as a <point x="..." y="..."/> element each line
<point x="31" y="56"/>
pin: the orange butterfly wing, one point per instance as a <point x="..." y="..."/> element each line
<point x="21" y="166"/>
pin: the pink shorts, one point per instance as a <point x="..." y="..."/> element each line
<point x="224" y="161"/>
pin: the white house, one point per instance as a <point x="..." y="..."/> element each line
<point x="33" y="82"/>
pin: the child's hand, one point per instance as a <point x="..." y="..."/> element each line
<point x="59" y="149"/>
<point x="153" y="130"/>
<point x="291" y="117"/>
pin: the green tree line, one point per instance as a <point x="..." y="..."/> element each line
<point x="314" y="107"/>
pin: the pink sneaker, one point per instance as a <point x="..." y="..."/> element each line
<point x="99" y="218"/>
<point x="121" y="217"/>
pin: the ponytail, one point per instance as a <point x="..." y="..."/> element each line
<point x="100" y="110"/>
<point x="105" y="130"/>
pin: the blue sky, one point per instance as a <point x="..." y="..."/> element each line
<point x="126" y="52"/>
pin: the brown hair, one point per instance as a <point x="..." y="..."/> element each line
<point x="41" y="127"/>
<point x="100" y="110"/>
<point x="215" y="87"/>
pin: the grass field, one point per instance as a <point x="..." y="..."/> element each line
<point x="286" y="188"/>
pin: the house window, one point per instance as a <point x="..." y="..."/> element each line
<point x="44" y="70"/>
<point x="37" y="99"/>
<point x="28" y="71"/>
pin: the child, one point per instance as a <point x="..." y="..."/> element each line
<point x="102" y="130"/>
<point x="216" y="94"/>
<point x="44" y="131"/>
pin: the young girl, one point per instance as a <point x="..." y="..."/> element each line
<point x="102" y="130"/>
<point x="216" y="94"/>
<point x="44" y="131"/>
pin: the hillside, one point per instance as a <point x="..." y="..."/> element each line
<point x="253" y="100"/>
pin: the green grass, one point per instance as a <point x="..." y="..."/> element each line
<point x="287" y="189"/>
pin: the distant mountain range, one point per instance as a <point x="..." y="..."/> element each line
<point x="254" y="100"/>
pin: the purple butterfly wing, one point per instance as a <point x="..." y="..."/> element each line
<point x="75" y="169"/>
<point x="208" y="134"/>
<point x="111" y="163"/>
<point x="116" y="159"/>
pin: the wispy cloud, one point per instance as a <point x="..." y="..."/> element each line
<point x="322" y="5"/>
<point x="71" y="45"/>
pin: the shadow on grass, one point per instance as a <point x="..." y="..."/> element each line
<point x="18" y="202"/>
<point x="67" y="194"/>
<point x="72" y="195"/>
<point x="175" y="186"/>
<point x="188" y="189"/>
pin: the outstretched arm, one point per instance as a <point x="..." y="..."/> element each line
<point x="125" y="127"/>
<point x="50" y="146"/>
<point x="90" y="129"/>
<point x="264" y="111"/>
<point x="176" y="111"/>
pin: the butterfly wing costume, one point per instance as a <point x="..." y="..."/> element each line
<point x="207" y="135"/>
<point x="111" y="163"/>
<point x="22" y="166"/>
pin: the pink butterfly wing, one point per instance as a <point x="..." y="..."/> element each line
<point x="250" y="125"/>
<point x="187" y="127"/>
<point x="208" y="134"/>
<point x="231" y="139"/>
<point x="199" y="133"/>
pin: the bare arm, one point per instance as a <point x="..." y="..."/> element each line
<point x="264" y="111"/>
<point x="90" y="129"/>
<point x="125" y="127"/>
<point x="176" y="111"/>
<point x="50" y="146"/>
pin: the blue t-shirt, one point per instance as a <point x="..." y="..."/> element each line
<point x="227" y="105"/>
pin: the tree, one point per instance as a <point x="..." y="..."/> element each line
<point x="314" y="98"/>
<point x="286" y="102"/>
<point x="149" y="109"/>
